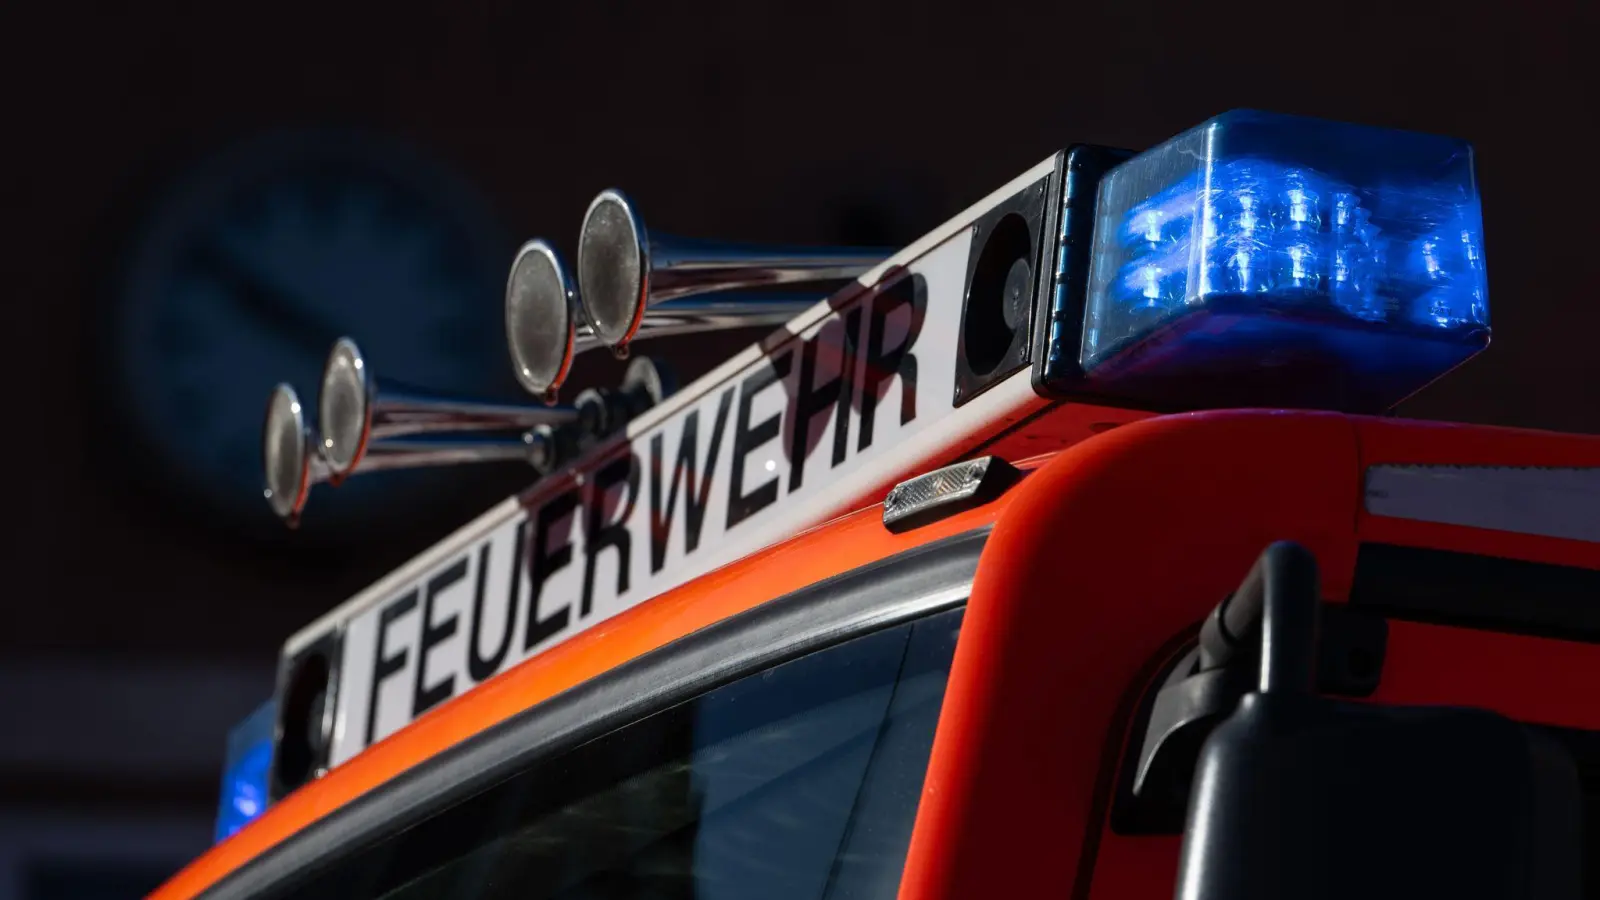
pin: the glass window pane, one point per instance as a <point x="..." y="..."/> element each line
<point x="798" y="783"/>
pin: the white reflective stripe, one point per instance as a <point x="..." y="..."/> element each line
<point x="1550" y="502"/>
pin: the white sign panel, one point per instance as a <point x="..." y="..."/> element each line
<point x="759" y="456"/>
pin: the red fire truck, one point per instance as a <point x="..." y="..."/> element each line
<point x="1069" y="551"/>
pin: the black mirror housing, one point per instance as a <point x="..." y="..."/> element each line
<point x="1310" y="798"/>
<point x="1302" y="796"/>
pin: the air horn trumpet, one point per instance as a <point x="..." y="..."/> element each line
<point x="292" y="451"/>
<point x="373" y="431"/>
<point x="353" y="413"/>
<point x="546" y="327"/>
<point x="622" y="269"/>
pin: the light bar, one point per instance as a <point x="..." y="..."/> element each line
<point x="1268" y="259"/>
<point x="245" y="772"/>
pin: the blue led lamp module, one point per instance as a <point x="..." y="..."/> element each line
<point x="245" y="770"/>
<point x="1263" y="259"/>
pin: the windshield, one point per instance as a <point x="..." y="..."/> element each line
<point x="800" y="781"/>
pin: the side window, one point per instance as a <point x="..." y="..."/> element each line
<point x="800" y="782"/>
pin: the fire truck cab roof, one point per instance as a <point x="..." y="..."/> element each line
<point x="1067" y="551"/>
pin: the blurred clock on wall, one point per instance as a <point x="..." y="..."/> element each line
<point x="244" y="271"/>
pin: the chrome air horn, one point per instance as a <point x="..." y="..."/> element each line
<point x="352" y="413"/>
<point x="546" y="326"/>
<point x="631" y="286"/>
<point x="294" y="461"/>
<point x="373" y="431"/>
<point x="288" y="452"/>
<point x="622" y="269"/>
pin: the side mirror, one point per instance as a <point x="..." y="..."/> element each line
<point x="1307" y="797"/>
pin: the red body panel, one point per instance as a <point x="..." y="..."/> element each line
<point x="1119" y="548"/>
<point x="1119" y="545"/>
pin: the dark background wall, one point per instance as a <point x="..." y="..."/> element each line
<point x="807" y="122"/>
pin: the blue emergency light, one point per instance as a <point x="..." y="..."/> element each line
<point x="1270" y="259"/>
<point x="245" y="771"/>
